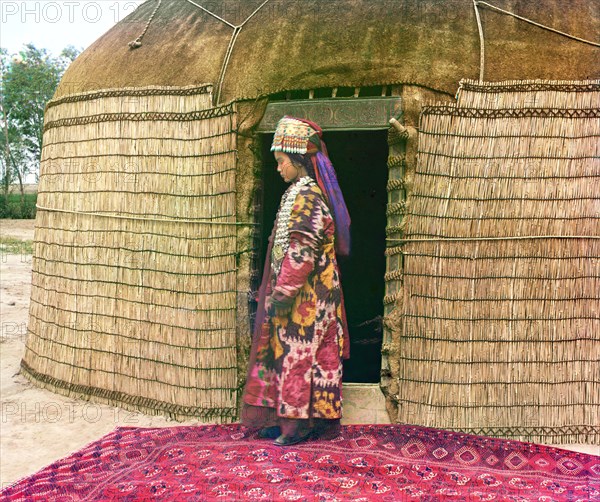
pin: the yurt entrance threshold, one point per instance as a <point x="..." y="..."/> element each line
<point x="356" y="136"/>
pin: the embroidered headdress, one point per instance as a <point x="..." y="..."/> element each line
<point x="300" y="136"/>
<point x="292" y="136"/>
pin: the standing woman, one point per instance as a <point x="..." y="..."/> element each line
<point x="294" y="384"/>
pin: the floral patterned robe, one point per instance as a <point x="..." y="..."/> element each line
<point x="297" y="363"/>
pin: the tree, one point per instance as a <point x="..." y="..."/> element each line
<point x="28" y="82"/>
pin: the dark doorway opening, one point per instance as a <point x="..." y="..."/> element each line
<point x="360" y="160"/>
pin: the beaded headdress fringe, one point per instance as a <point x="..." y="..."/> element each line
<point x="291" y="136"/>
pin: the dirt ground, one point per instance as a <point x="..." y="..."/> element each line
<point x="38" y="426"/>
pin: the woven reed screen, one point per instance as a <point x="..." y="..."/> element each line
<point x="500" y="324"/>
<point x="133" y="298"/>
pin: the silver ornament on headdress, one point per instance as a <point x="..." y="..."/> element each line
<point x="291" y="136"/>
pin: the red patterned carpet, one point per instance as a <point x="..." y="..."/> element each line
<point x="366" y="463"/>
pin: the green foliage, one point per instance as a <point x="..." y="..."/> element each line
<point x="17" y="206"/>
<point x="28" y="82"/>
<point x="10" y="245"/>
<point x="28" y="85"/>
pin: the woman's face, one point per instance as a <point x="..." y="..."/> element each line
<point x="288" y="171"/>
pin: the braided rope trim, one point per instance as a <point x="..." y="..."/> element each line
<point x="569" y="430"/>
<point x="540" y="277"/>
<point x="396" y="208"/>
<point x="131" y="250"/>
<point x="558" y="86"/>
<point x="390" y="299"/>
<point x="163" y="218"/>
<point x="396" y="275"/>
<point x="123" y="267"/>
<point x="490" y="404"/>
<point x="203" y="328"/>
<point x="455" y="111"/>
<point x="396" y="185"/>
<point x="121" y="397"/>
<point x="132" y="92"/>
<point x="395" y="137"/>
<point x="394" y="250"/>
<point x="396" y="229"/>
<point x="576" y="430"/>
<point x="573" y="298"/>
<point x="129" y="319"/>
<point x="396" y="161"/>
<point x="145" y="360"/>
<point x="432" y="238"/>
<point x="143" y="117"/>
<point x="129" y="233"/>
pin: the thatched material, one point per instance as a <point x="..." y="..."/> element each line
<point x="134" y="293"/>
<point x="248" y="184"/>
<point x="500" y="305"/>
<point x="307" y="44"/>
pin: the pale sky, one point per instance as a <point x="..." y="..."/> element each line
<point x="55" y="24"/>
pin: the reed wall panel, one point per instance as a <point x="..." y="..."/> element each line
<point x="134" y="292"/>
<point x="530" y="94"/>
<point x="500" y="297"/>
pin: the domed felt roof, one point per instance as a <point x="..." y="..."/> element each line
<point x="291" y="44"/>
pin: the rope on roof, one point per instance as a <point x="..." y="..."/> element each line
<point x="212" y="14"/>
<point x="138" y="41"/>
<point x="568" y="35"/>
<point x="234" y="35"/>
<point x="481" y="42"/>
<point x="477" y="3"/>
<point x="236" y="32"/>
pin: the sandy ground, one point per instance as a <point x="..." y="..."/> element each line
<point x="20" y="229"/>
<point x="27" y="188"/>
<point x="38" y="426"/>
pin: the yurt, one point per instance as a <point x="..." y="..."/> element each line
<point x="465" y="135"/>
